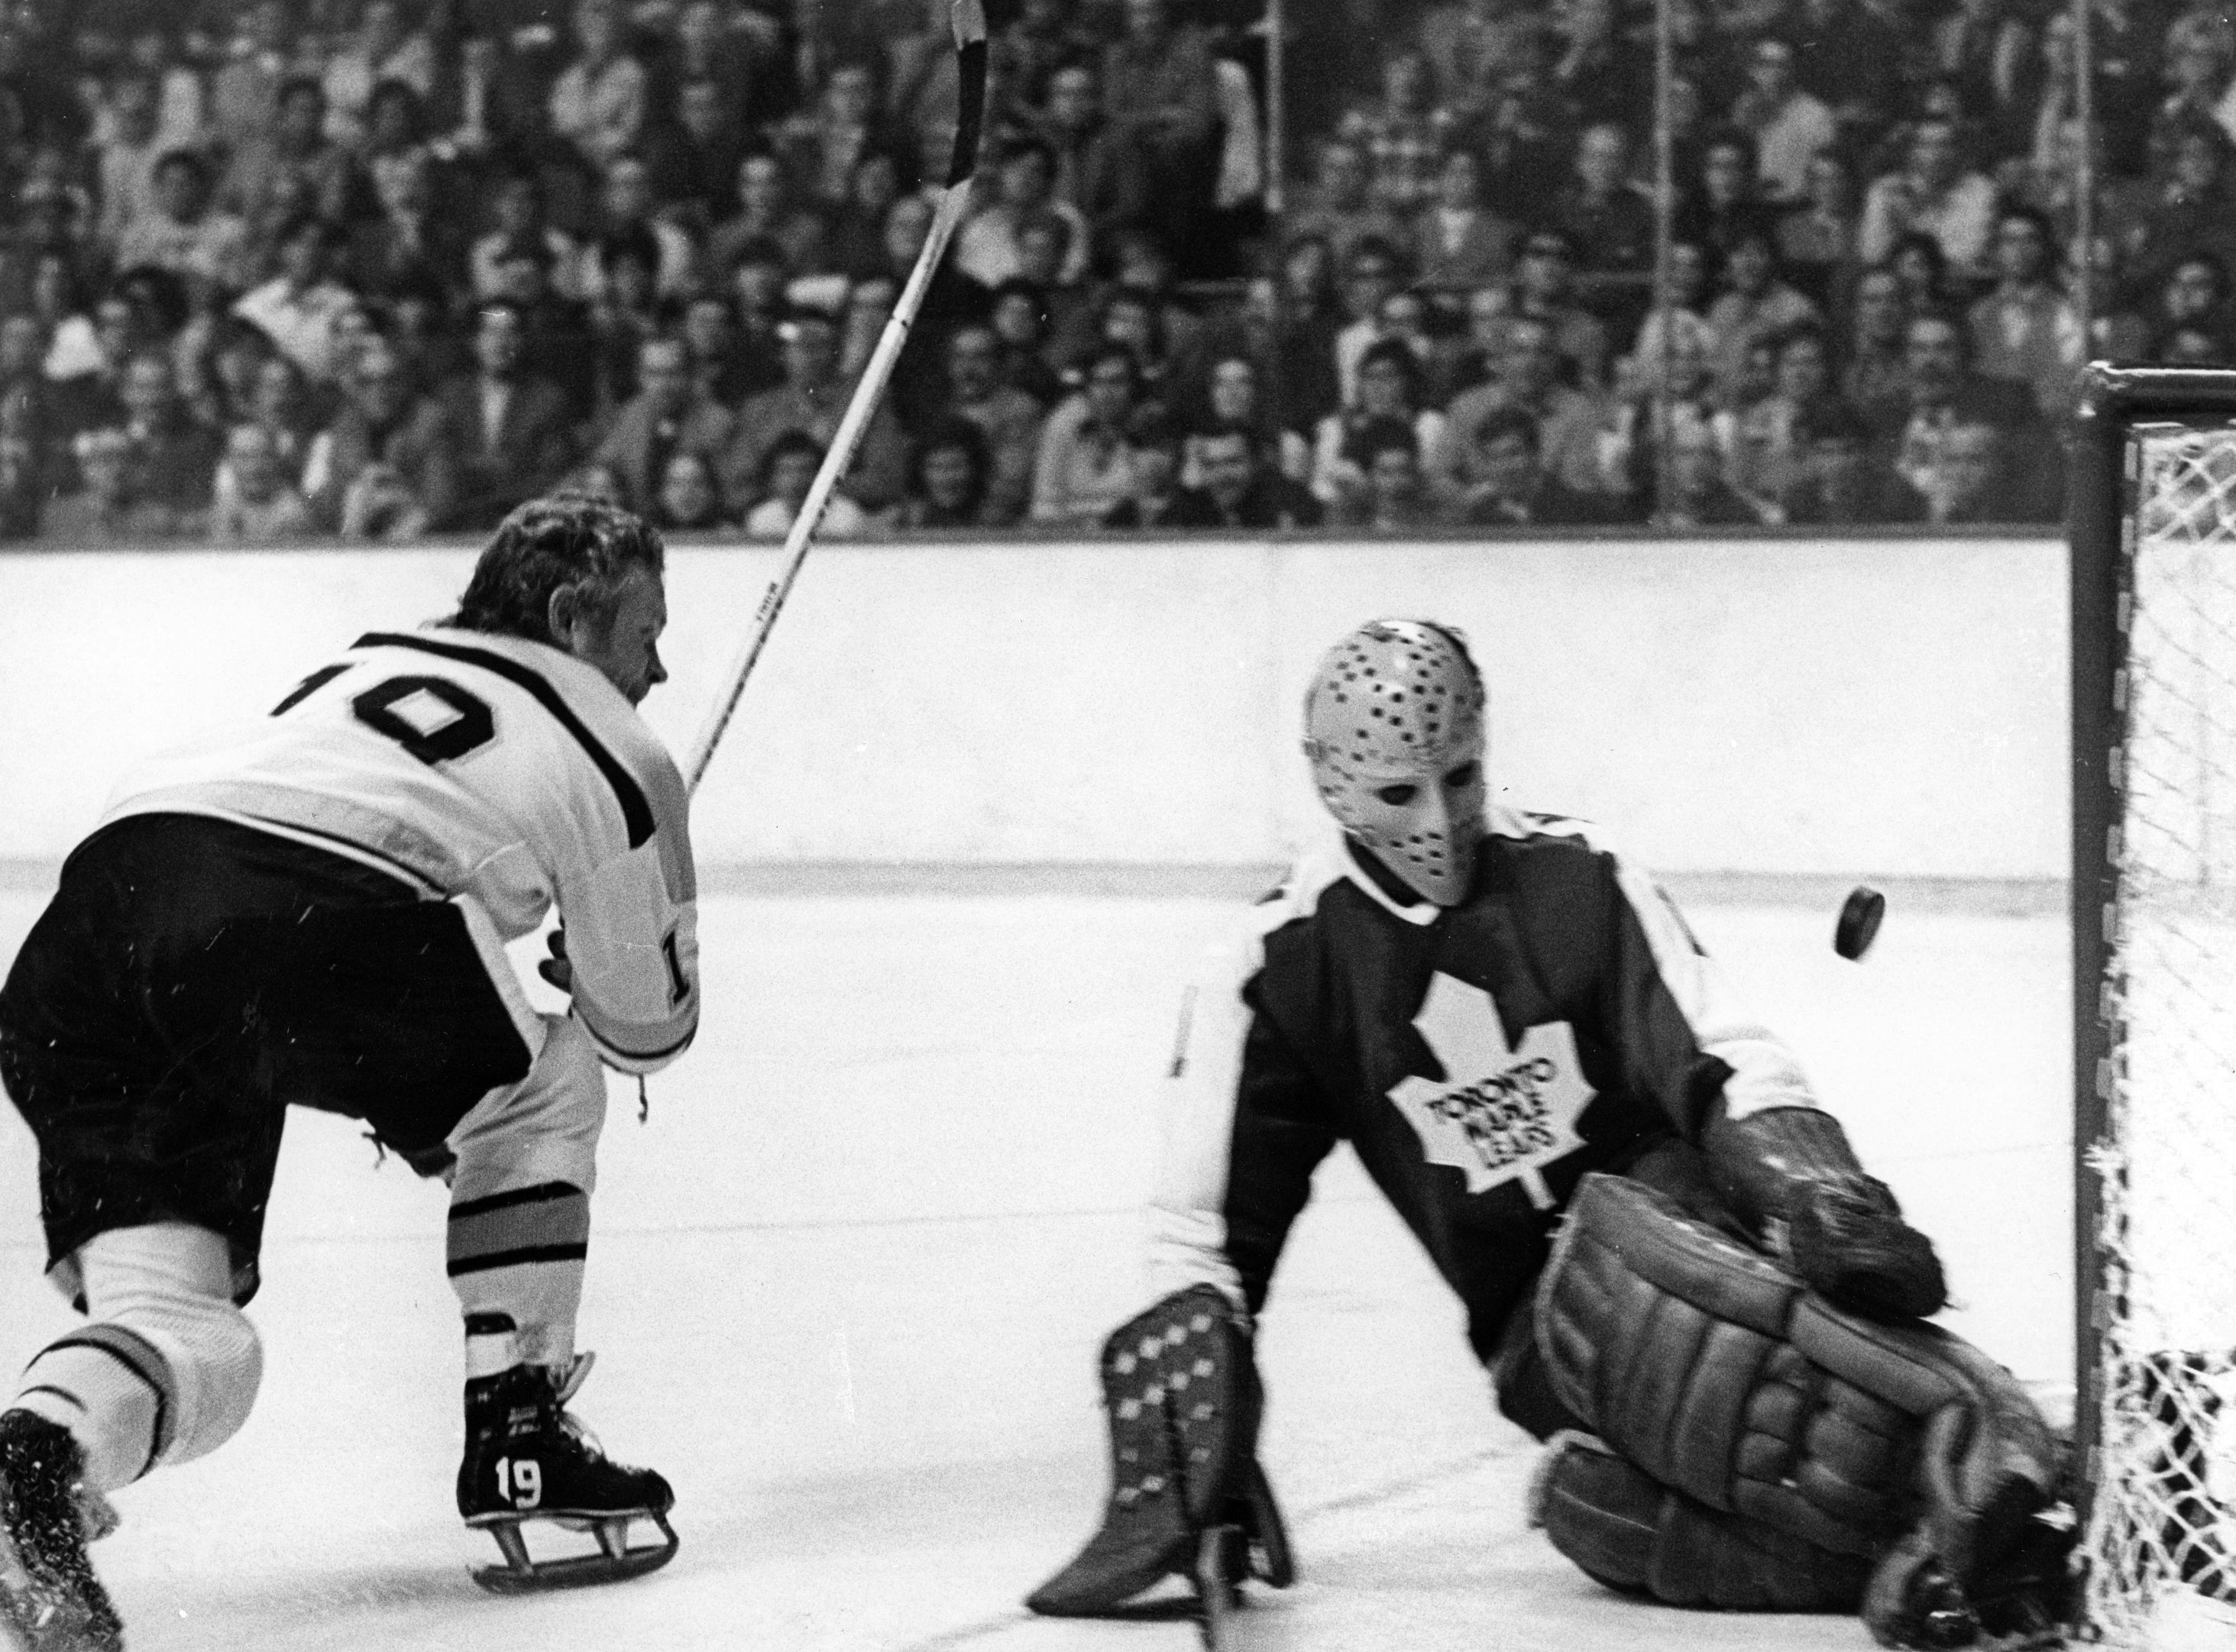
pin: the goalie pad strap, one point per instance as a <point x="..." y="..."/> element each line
<point x="1719" y="1377"/>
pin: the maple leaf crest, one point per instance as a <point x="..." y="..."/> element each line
<point x="1502" y="1113"/>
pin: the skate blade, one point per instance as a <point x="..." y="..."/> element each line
<point x="1221" y="1558"/>
<point x="615" y="1561"/>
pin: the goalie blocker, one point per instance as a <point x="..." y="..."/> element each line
<point x="1180" y="1387"/>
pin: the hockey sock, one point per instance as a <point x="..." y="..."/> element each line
<point x="112" y="1391"/>
<point x="515" y="1261"/>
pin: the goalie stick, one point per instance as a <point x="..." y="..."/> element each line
<point x="969" y="18"/>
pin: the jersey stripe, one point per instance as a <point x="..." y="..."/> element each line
<point x="635" y="810"/>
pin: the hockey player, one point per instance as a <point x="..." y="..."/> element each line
<point x="310" y="909"/>
<point x="1670" y="1259"/>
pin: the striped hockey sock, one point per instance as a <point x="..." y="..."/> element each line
<point x="515" y="1261"/>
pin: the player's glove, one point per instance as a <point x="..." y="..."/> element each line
<point x="1849" y="1243"/>
<point x="555" y="968"/>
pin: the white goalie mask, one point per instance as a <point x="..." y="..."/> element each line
<point x="1394" y="728"/>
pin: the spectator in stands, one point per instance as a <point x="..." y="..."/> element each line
<point x="1458" y="242"/>
<point x="1604" y="216"/>
<point x="689" y="499"/>
<point x="755" y="362"/>
<point x="668" y="415"/>
<point x="1544" y="289"/>
<point x="298" y="309"/>
<point x="244" y="95"/>
<point x="510" y="431"/>
<point x="105" y="511"/>
<point x="1094" y="175"/>
<point x="1767" y="449"/>
<point x="1932" y="192"/>
<point x="519" y="221"/>
<point x="1841" y="479"/>
<point x="1008" y="419"/>
<point x="292" y="167"/>
<point x="986" y="247"/>
<point x="854" y="243"/>
<point x="708" y="51"/>
<point x="387" y="48"/>
<point x="1234" y="394"/>
<point x="812" y="400"/>
<point x="2187" y="344"/>
<point x="1470" y="45"/>
<point x="1081" y="469"/>
<point x="1514" y="489"/>
<point x="1019" y="316"/>
<point x="2192" y="210"/>
<point x="787" y="472"/>
<point x="125" y="158"/>
<point x="1163" y="93"/>
<point x="1390" y="385"/>
<point x="766" y="212"/>
<point x="385" y="467"/>
<point x="1790" y="127"/>
<point x="173" y="457"/>
<point x="1340" y="210"/>
<point x="600" y="102"/>
<point x="277" y="397"/>
<point x="1971" y="481"/>
<point x="1755" y="305"/>
<point x="184" y="234"/>
<point x="255" y="502"/>
<point x="1527" y="379"/>
<point x="1945" y="393"/>
<point x="1700" y="495"/>
<point x="1817" y="239"/>
<point x="1876" y="375"/>
<point x="949" y="469"/>
<point x="693" y="157"/>
<point x="559" y="345"/>
<point x="1724" y="200"/>
<point x="1370" y="275"/>
<point x="821" y="147"/>
<point x="1989" y="53"/>
<point x="411" y="242"/>
<point x="626" y="204"/>
<point x="627" y="310"/>
<point x="1155" y="496"/>
<point x="2194" y="300"/>
<point x="1396" y="499"/>
<point x="1403" y="134"/>
<point x="1245" y="491"/>
<point x="722" y="368"/>
<point x="2025" y="330"/>
<point x="2200" y="75"/>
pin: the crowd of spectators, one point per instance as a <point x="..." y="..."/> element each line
<point x="277" y="269"/>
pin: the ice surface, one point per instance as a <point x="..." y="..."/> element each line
<point x="846" y="1288"/>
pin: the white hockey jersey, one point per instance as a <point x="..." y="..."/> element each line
<point x="487" y="767"/>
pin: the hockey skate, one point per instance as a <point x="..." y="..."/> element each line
<point x="50" y="1599"/>
<point x="528" y="1460"/>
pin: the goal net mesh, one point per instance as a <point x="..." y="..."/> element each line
<point x="2162" y="1531"/>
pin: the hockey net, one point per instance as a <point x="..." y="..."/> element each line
<point x="2160" y="1543"/>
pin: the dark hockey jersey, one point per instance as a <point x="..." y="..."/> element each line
<point x="1479" y="1059"/>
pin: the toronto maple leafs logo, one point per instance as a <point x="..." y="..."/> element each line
<point x="1502" y="1113"/>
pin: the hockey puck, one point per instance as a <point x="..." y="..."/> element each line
<point x="1860" y="922"/>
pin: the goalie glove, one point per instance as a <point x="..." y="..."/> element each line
<point x="1790" y="1173"/>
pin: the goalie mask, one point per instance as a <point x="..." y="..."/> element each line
<point x="1393" y="725"/>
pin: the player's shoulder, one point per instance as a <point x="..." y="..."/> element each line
<point x="1526" y="833"/>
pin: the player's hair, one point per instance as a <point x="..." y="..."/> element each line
<point x="563" y="541"/>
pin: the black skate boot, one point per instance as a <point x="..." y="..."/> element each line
<point x="50" y="1599"/>
<point x="526" y="1459"/>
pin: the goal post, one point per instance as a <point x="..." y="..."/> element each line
<point x="2152" y="524"/>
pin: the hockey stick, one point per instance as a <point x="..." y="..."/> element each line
<point x="969" y="17"/>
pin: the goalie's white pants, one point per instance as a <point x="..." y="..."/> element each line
<point x="519" y="1204"/>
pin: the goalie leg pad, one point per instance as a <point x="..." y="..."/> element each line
<point x="1722" y="1379"/>
<point x="1181" y="1392"/>
<point x="1629" y="1532"/>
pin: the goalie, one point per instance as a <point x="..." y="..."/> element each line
<point x="1671" y="1261"/>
